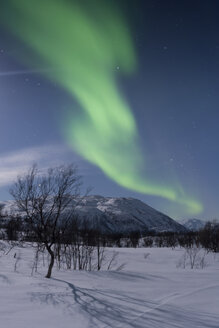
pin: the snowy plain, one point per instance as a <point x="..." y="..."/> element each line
<point x="150" y="292"/>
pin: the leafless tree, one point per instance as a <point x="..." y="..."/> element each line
<point x="44" y="200"/>
<point x="193" y="257"/>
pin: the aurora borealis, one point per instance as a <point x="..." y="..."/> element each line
<point x="82" y="49"/>
<point x="87" y="49"/>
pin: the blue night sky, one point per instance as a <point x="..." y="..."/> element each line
<point x="173" y="95"/>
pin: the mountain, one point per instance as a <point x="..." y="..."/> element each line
<point x="120" y="215"/>
<point x="193" y="224"/>
<point x="123" y="215"/>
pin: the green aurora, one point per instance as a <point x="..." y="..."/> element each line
<point x="86" y="46"/>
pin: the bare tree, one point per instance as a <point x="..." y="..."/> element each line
<point x="44" y="200"/>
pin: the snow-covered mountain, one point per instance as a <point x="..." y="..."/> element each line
<point x="120" y="215"/>
<point x="123" y="215"/>
<point x="193" y="224"/>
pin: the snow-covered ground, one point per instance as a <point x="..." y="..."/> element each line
<point x="149" y="292"/>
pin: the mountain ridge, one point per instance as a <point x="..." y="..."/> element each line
<point x="193" y="224"/>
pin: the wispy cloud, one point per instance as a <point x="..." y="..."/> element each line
<point x="23" y="72"/>
<point x="16" y="163"/>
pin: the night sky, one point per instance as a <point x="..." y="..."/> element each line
<point x="172" y="93"/>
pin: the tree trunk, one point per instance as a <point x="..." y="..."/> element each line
<point x="52" y="259"/>
<point x="98" y="254"/>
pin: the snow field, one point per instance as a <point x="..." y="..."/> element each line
<point x="149" y="292"/>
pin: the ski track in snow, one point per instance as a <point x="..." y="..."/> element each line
<point x="166" y="300"/>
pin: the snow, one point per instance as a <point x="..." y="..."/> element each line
<point x="149" y="292"/>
